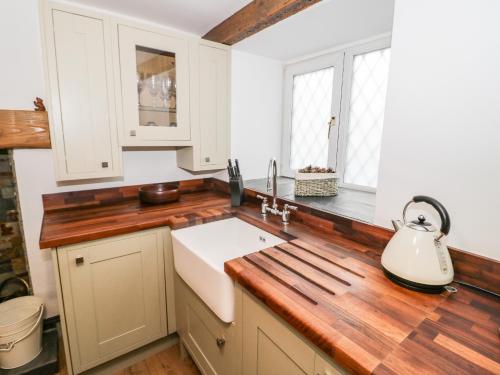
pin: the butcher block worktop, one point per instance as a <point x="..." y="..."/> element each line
<point x="333" y="291"/>
<point x="330" y="288"/>
<point x="73" y="218"/>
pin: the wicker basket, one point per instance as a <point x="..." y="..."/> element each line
<point x="316" y="184"/>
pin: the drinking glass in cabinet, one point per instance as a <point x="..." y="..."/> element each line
<point x="156" y="88"/>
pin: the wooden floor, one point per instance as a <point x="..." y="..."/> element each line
<point x="167" y="362"/>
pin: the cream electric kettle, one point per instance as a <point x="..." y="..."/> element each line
<point x="416" y="257"/>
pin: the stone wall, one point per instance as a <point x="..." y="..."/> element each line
<point x="12" y="249"/>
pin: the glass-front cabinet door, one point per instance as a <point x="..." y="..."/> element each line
<point x="154" y="72"/>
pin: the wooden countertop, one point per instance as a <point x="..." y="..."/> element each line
<point x="330" y="288"/>
<point x="74" y="225"/>
<point x="333" y="291"/>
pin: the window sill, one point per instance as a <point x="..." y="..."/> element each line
<point x="355" y="204"/>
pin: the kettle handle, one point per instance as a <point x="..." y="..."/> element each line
<point x="443" y="214"/>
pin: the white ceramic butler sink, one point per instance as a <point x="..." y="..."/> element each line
<point x="200" y="252"/>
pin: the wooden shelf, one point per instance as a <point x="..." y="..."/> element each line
<point x="24" y="129"/>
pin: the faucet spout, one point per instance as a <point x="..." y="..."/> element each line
<point x="272" y="180"/>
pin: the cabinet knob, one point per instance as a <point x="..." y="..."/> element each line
<point x="79" y="260"/>
<point x="207" y="159"/>
<point x="104" y="164"/>
<point x="132" y="133"/>
<point x="221" y="341"/>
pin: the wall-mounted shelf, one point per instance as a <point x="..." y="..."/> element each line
<point x="24" y="129"/>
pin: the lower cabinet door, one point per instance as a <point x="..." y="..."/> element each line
<point x="210" y="341"/>
<point x="114" y="296"/>
<point x="269" y="346"/>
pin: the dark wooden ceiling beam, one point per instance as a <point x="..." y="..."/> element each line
<point x="255" y="17"/>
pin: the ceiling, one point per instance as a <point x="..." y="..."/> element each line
<point x="193" y="16"/>
<point x="327" y="24"/>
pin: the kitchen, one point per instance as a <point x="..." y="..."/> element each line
<point x="306" y="291"/>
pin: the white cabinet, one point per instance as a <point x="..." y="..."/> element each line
<point x="115" y="295"/>
<point x="209" y="108"/>
<point x="82" y="105"/>
<point x="154" y="92"/>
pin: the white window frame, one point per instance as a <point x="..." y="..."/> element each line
<point x="350" y="53"/>
<point x="342" y="59"/>
<point x="335" y="60"/>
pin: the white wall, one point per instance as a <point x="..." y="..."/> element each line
<point x="21" y="81"/>
<point x="442" y="123"/>
<point x="21" y="78"/>
<point x="256" y="108"/>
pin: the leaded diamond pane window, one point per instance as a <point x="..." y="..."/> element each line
<point x="366" y="117"/>
<point x="311" y="110"/>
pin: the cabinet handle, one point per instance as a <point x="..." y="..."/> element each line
<point x="104" y="164"/>
<point x="221" y="341"/>
<point x="207" y="159"/>
<point x="132" y="133"/>
<point x="79" y="261"/>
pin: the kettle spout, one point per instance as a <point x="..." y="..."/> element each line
<point x="397" y="224"/>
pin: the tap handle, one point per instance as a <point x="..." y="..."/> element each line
<point x="262" y="198"/>
<point x="285" y="214"/>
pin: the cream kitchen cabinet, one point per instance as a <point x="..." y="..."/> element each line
<point x="115" y="295"/>
<point x="79" y="70"/>
<point x="214" y="345"/>
<point x="271" y="346"/>
<point x="209" y="108"/>
<point x="116" y="83"/>
<point x="153" y="86"/>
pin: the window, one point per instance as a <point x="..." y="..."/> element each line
<point x="312" y="100"/>
<point x="334" y="113"/>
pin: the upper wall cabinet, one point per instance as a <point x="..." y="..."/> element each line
<point x="114" y="83"/>
<point x="154" y="76"/>
<point x="209" y="108"/>
<point x="82" y="106"/>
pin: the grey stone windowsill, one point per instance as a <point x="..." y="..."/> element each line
<point x="355" y="204"/>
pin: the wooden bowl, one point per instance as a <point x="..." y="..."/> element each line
<point x="159" y="193"/>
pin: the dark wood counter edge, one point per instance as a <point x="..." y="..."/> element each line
<point x="471" y="269"/>
<point x="104" y="233"/>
